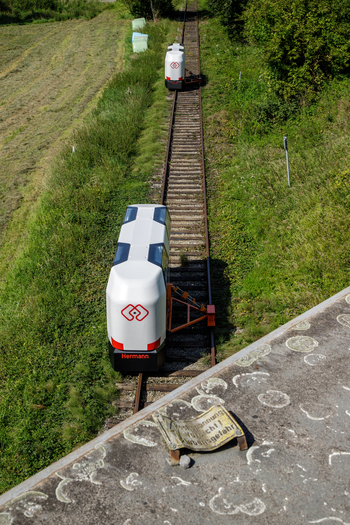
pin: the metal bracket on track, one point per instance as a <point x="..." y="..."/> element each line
<point x="192" y="78"/>
<point x="191" y="305"/>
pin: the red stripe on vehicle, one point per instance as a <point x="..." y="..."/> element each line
<point x="153" y="346"/>
<point x="118" y="346"/>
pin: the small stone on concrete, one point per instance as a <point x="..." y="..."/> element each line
<point x="185" y="461"/>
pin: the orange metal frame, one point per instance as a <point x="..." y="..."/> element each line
<point x="209" y="312"/>
<point x="192" y="79"/>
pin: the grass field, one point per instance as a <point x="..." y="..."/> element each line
<point x="276" y="251"/>
<point x="52" y="76"/>
<point x="57" y="385"/>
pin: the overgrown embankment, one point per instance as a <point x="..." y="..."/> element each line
<point x="56" y="381"/>
<point x="39" y="11"/>
<point x="281" y="250"/>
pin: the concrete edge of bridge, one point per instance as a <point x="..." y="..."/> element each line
<point x="31" y="482"/>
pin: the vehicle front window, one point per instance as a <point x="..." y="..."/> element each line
<point x="130" y="214"/>
<point x="122" y="253"/>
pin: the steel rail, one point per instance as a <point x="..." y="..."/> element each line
<point x="138" y="393"/>
<point x="163" y="198"/>
<point x="183" y="24"/>
<point x="165" y="173"/>
<point x="212" y="339"/>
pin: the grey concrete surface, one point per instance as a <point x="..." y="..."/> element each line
<point x="291" y="392"/>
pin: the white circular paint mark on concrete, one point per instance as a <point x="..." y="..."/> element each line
<point x="5" y="518"/>
<point x="131" y="482"/>
<point x="203" y="403"/>
<point x="274" y="399"/>
<point x="344" y="319"/>
<point x="249" y="455"/>
<point x="178" y="409"/>
<point x="139" y="433"/>
<point x="211" y="386"/>
<point x="315" y="359"/>
<point x="301" y="343"/>
<point x="303" y="325"/>
<point x="248" y="379"/>
<point x="227" y="504"/>
<point x="28" y="503"/>
<point x="253" y="356"/>
<point x="330" y="518"/>
<point x="316" y="411"/>
<point x="335" y="454"/>
<point x="347" y="299"/>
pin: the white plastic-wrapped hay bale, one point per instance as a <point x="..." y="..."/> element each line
<point x="138" y="23"/>
<point x="139" y="42"/>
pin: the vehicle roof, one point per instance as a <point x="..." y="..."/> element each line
<point x="142" y="232"/>
<point x="140" y="271"/>
<point x="176" y="47"/>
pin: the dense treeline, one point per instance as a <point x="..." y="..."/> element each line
<point x="150" y="8"/>
<point x="304" y="42"/>
<point x="13" y="5"/>
<point x="17" y="11"/>
<point x="230" y="14"/>
<point x="26" y="11"/>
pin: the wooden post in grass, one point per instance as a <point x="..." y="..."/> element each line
<point x="286" y="148"/>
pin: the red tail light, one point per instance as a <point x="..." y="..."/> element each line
<point x="168" y="78"/>
<point x="153" y="346"/>
<point x="180" y="78"/>
<point x="118" y="346"/>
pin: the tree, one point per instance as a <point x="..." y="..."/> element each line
<point x="305" y="42"/>
<point x="230" y="14"/>
<point x="149" y="8"/>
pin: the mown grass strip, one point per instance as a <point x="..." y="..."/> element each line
<point x="56" y="381"/>
<point x="277" y="251"/>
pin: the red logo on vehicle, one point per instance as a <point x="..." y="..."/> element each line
<point x="137" y="312"/>
<point x="174" y="65"/>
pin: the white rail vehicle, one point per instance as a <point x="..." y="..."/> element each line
<point x="136" y="290"/>
<point x="175" y="66"/>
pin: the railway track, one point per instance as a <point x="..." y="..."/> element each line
<point x="191" y="350"/>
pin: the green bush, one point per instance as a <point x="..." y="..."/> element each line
<point x="273" y="110"/>
<point x="149" y="8"/>
<point x="230" y="14"/>
<point x="304" y="42"/>
<point x="27" y="5"/>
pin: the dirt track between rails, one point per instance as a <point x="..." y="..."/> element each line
<point x="51" y="78"/>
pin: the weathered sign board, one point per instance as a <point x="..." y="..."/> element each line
<point x="206" y="432"/>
